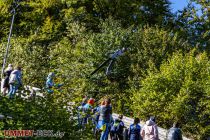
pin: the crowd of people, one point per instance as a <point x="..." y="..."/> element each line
<point x="105" y="126"/>
<point x="13" y="81"/>
<point x="100" y="117"/>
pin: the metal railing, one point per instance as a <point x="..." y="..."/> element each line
<point x="128" y="121"/>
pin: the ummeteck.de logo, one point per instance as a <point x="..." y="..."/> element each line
<point x="31" y="133"/>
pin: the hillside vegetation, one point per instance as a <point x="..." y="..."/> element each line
<point x="166" y="71"/>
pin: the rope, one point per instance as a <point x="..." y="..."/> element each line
<point x="9" y="37"/>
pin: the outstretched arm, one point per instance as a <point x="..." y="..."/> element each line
<point x="117" y="54"/>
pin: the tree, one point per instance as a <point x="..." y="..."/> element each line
<point x="49" y="113"/>
<point x="178" y="92"/>
<point x="73" y="37"/>
<point x="193" y="24"/>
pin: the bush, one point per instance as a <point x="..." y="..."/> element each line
<point x="179" y="91"/>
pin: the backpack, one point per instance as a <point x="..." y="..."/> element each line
<point x="173" y="134"/>
<point x="116" y="127"/>
<point x="148" y="132"/>
<point x="13" y="78"/>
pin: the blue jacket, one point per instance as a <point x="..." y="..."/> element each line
<point x="117" y="126"/>
<point x="105" y="114"/>
<point x="18" y="76"/>
<point x="134" y="132"/>
<point x="49" y="82"/>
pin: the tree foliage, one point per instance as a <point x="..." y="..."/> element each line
<point x="159" y="75"/>
<point x="178" y="91"/>
<point x="49" y="113"/>
<point x="193" y="24"/>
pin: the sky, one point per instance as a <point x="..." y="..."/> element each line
<point x="178" y="4"/>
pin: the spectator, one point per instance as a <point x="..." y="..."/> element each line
<point x="105" y="119"/>
<point x="87" y="111"/>
<point x="175" y="132"/>
<point x="7" y="73"/>
<point x="134" y="130"/>
<point x="50" y="83"/>
<point x="15" y="81"/>
<point x="117" y="126"/>
<point x="150" y="130"/>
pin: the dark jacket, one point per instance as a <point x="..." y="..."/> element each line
<point x="134" y="132"/>
<point x="7" y="75"/>
<point x="117" y="126"/>
<point x="174" y="134"/>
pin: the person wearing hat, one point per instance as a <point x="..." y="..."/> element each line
<point x="50" y="82"/>
<point x="7" y="73"/>
<point x="87" y="111"/>
<point x="150" y="130"/>
<point x="15" y="81"/>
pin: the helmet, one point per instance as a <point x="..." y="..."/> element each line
<point x="51" y="74"/>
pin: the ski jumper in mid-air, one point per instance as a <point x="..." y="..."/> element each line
<point x="111" y="61"/>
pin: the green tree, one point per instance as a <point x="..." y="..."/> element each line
<point x="178" y="92"/>
<point x="193" y="24"/>
<point x="49" y="113"/>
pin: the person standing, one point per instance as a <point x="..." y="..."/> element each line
<point x="80" y="110"/>
<point x="175" y="132"/>
<point x="150" y="130"/>
<point x="134" y="130"/>
<point x="15" y="81"/>
<point x="96" y="118"/>
<point x="7" y="73"/>
<point x="88" y="111"/>
<point x="105" y="119"/>
<point x="117" y="126"/>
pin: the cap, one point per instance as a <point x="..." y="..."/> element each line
<point x="152" y="118"/>
<point x="91" y="101"/>
<point x="51" y="74"/>
<point x="10" y="65"/>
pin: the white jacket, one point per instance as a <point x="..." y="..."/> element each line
<point x="150" y="131"/>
